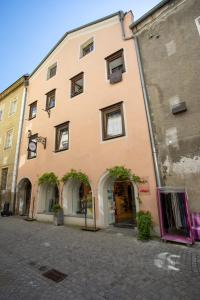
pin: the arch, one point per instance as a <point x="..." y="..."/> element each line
<point x="106" y="199"/>
<point x="48" y="195"/>
<point x="24" y="196"/>
<point x="75" y="193"/>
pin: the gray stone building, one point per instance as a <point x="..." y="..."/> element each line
<point x="168" y="42"/>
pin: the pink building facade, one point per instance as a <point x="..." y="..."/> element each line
<point x="85" y="100"/>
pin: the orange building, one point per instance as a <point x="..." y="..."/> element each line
<point x="85" y="111"/>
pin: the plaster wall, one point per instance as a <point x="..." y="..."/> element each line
<point x="87" y="152"/>
<point x="169" y="43"/>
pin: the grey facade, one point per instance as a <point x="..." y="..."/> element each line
<point x="169" y="43"/>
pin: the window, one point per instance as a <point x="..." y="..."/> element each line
<point x="51" y="97"/>
<point x="115" y="62"/>
<point x="32" y="146"/>
<point x="1" y="114"/>
<point x="4" y="176"/>
<point x="33" y="110"/>
<point x="77" y="84"/>
<point x="113" y="121"/>
<point x="197" y="21"/>
<point x="87" y="47"/>
<point x="62" y="137"/>
<point x="13" y="107"/>
<point x="51" y="71"/>
<point x="8" y="141"/>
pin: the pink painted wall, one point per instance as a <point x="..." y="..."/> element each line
<point x="87" y="151"/>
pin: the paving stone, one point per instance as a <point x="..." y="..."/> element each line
<point x="109" y="264"/>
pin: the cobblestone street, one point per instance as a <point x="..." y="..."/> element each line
<point x="109" y="264"/>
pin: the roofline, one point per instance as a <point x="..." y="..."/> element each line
<point x="13" y="86"/>
<point x="150" y="12"/>
<point x="71" y="31"/>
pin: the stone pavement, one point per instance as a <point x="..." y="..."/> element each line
<point x="109" y="264"/>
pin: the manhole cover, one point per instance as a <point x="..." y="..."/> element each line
<point x="54" y="275"/>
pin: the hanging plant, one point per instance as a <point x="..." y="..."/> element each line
<point x="122" y="173"/>
<point x="50" y="178"/>
<point x="73" y="174"/>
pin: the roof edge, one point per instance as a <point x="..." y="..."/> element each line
<point x="71" y="31"/>
<point x="150" y="12"/>
<point x="13" y="86"/>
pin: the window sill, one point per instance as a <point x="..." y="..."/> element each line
<point x="31" y="118"/>
<point x="56" y="151"/>
<point x="113" y="137"/>
<point x="74" y="95"/>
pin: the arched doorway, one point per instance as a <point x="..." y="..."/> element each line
<point x="75" y="196"/>
<point x="48" y="196"/>
<point x="118" y="202"/>
<point x="24" y="196"/>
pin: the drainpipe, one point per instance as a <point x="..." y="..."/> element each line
<point x="146" y="104"/>
<point x="19" y="137"/>
<point x="145" y="96"/>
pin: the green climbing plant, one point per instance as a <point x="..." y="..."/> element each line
<point x="50" y="178"/>
<point x="122" y="173"/>
<point x="73" y="174"/>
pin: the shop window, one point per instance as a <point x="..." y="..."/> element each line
<point x="4" y="176"/>
<point x="13" y="107"/>
<point x="32" y="146"/>
<point x="87" y="47"/>
<point x="62" y="137"/>
<point x="77" y="85"/>
<point x="50" y="100"/>
<point x="113" y="121"/>
<point x="8" y="140"/>
<point x="33" y="110"/>
<point x="115" y="63"/>
<point x="52" y="71"/>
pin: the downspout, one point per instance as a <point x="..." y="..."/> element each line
<point x="19" y="137"/>
<point x="146" y="104"/>
<point x="145" y="96"/>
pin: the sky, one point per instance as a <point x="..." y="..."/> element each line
<point x="29" y="29"/>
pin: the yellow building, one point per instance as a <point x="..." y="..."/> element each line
<point x="12" y="102"/>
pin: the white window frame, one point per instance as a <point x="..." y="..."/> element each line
<point x="6" y="145"/>
<point x="11" y="103"/>
<point x="49" y="69"/>
<point x="84" y="45"/>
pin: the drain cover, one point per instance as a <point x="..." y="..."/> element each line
<point x="54" y="275"/>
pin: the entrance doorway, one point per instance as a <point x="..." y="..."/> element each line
<point x="124" y="198"/>
<point x="24" y="196"/>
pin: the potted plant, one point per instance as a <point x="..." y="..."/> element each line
<point x="144" y="225"/>
<point x="58" y="215"/>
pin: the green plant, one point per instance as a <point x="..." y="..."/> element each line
<point x="144" y="225"/>
<point x="73" y="174"/>
<point x="122" y="173"/>
<point x="57" y="208"/>
<point x="50" y="178"/>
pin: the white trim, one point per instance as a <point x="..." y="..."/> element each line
<point x="197" y="21"/>
<point x="11" y="101"/>
<point x="5" y="138"/>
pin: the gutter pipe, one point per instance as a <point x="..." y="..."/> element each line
<point x="19" y="137"/>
